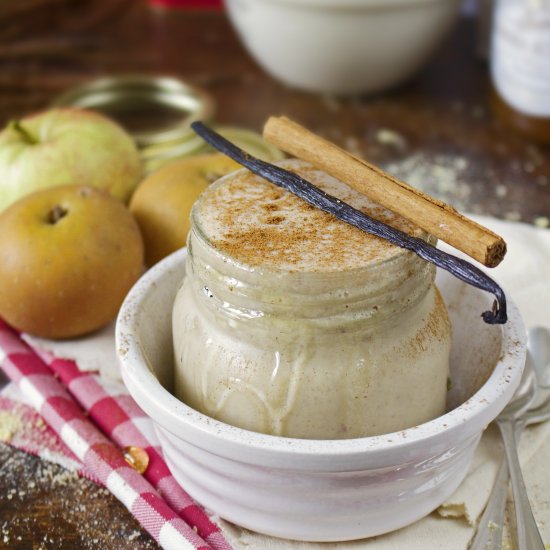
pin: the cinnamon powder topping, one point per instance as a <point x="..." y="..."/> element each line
<point x="258" y="224"/>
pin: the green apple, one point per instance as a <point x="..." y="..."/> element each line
<point x="67" y="146"/>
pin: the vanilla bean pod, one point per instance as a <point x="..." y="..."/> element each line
<point x="308" y="192"/>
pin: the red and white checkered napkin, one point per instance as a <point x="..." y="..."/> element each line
<point x="188" y="4"/>
<point x="174" y="520"/>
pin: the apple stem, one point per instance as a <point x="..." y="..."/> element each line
<point x="56" y="213"/>
<point x="18" y="127"/>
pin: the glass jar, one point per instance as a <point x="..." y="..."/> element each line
<point x="292" y="323"/>
<point x="520" y="66"/>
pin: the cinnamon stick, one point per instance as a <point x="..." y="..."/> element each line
<point x="430" y="214"/>
<point x="315" y="196"/>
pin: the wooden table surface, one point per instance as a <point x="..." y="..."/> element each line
<point x="437" y="131"/>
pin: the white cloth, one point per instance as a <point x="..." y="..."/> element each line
<point x="525" y="275"/>
<point x="94" y="353"/>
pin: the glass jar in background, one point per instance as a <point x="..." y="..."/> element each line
<point x="292" y="323"/>
<point x="520" y="66"/>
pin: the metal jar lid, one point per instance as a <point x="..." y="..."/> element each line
<point x="154" y="110"/>
<point x="157" y="112"/>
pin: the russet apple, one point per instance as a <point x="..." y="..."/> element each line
<point x="163" y="200"/>
<point x="67" y="146"/>
<point x="68" y="256"/>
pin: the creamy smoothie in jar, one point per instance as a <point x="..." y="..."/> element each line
<point x="292" y="323"/>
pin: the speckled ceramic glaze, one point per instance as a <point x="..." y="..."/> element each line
<point x="320" y="490"/>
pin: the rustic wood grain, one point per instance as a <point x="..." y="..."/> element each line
<point x="44" y="506"/>
<point x="439" y="127"/>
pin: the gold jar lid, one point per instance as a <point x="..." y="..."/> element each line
<point x="153" y="109"/>
<point x="157" y="112"/>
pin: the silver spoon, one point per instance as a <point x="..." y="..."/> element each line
<point x="539" y="344"/>
<point x="489" y="531"/>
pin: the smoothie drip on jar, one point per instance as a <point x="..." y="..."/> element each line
<point x="293" y="323"/>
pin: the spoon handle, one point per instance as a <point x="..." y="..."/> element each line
<point x="527" y="531"/>
<point x="488" y="535"/>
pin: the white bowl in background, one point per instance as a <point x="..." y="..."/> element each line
<point x="320" y="490"/>
<point x="342" y="47"/>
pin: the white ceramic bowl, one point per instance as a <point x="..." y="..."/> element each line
<point x="310" y="489"/>
<point x="342" y="46"/>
